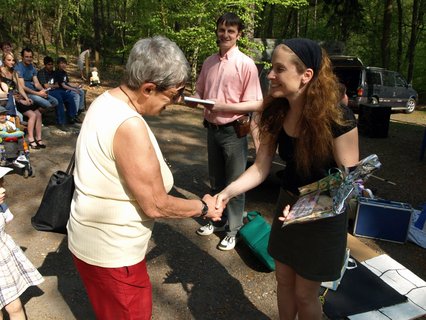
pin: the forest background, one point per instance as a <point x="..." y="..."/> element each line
<point x="383" y="33"/>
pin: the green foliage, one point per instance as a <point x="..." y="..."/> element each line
<point x="354" y="27"/>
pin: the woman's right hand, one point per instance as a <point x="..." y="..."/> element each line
<point x="214" y="213"/>
<point x="26" y="102"/>
<point x="221" y="200"/>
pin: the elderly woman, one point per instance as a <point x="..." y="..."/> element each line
<point x="122" y="182"/>
<point x="303" y="117"/>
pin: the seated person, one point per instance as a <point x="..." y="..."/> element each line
<point x="26" y="106"/>
<point x="8" y="129"/>
<point x="27" y="79"/>
<point x="8" y="100"/>
<point x="6" y="47"/>
<point x="344" y="100"/>
<point x="61" y="77"/>
<point x="9" y="133"/>
<point x="16" y="95"/>
<point x="46" y="77"/>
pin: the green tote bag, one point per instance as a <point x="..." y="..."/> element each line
<point x="255" y="234"/>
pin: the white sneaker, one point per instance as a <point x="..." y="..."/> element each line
<point x="208" y="229"/>
<point x="228" y="243"/>
<point x="17" y="164"/>
<point x="22" y="158"/>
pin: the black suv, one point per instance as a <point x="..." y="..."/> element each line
<point x="372" y="85"/>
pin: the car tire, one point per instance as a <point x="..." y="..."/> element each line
<point x="411" y="105"/>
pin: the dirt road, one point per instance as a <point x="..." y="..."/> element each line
<point x="191" y="278"/>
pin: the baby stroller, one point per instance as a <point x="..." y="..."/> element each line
<point x="14" y="152"/>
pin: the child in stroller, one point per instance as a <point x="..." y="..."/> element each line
<point x="14" y="151"/>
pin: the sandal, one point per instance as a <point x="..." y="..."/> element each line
<point x="33" y="144"/>
<point x="40" y="145"/>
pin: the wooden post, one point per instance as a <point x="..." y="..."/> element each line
<point x="97" y="59"/>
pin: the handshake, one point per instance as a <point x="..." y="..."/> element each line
<point x="216" y="204"/>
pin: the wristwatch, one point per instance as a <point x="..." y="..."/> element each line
<point x="205" y="208"/>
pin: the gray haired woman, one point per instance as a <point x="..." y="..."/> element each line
<point x="117" y="196"/>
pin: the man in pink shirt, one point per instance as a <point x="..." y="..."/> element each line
<point x="230" y="79"/>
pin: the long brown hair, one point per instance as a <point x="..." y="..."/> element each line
<point x="314" y="145"/>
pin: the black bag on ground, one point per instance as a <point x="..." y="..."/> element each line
<point x="55" y="206"/>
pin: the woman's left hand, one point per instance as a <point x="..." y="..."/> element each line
<point x="286" y="211"/>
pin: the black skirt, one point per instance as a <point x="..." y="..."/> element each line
<point x="315" y="250"/>
<point x="23" y="108"/>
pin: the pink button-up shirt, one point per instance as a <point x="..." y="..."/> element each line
<point x="232" y="78"/>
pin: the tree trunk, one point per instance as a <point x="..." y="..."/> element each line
<point x="417" y="19"/>
<point x="399" y="49"/>
<point x="270" y="22"/>
<point x="305" y="27"/>
<point x="108" y="10"/>
<point x="28" y="24"/>
<point x="21" y="29"/>
<point x="249" y="30"/>
<point x="385" y="47"/>
<point x="194" y="66"/>
<point x="287" y="24"/>
<point x="39" y="29"/>
<point x="103" y="31"/>
<point x="123" y="30"/>
<point x="96" y="25"/>
<point x="297" y="23"/>
<point x="315" y="14"/>
<point x="58" y="33"/>
<point x="344" y="23"/>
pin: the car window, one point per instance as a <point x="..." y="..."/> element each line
<point x="400" y="81"/>
<point x="388" y="79"/>
<point x="373" y="78"/>
<point x="350" y="77"/>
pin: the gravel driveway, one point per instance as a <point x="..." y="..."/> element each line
<point x="191" y="278"/>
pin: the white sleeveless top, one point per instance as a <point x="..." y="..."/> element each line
<point x="107" y="228"/>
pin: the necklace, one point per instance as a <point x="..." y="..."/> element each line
<point x="128" y="97"/>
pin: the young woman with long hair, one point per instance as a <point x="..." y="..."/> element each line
<point x="303" y="118"/>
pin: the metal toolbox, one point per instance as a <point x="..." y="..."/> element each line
<point x="383" y="219"/>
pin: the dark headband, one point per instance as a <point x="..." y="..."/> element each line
<point x="308" y="51"/>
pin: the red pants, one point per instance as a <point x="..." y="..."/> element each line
<point x="123" y="293"/>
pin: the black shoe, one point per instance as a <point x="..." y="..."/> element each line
<point x="33" y="144"/>
<point x="62" y="127"/>
<point x="77" y="120"/>
<point x="40" y="144"/>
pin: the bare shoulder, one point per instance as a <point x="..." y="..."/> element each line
<point x="133" y="128"/>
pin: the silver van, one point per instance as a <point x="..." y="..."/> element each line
<point x="374" y="86"/>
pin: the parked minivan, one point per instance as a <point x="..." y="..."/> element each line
<point x="372" y="85"/>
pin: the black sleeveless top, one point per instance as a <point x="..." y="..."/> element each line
<point x="10" y="83"/>
<point x="291" y="179"/>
